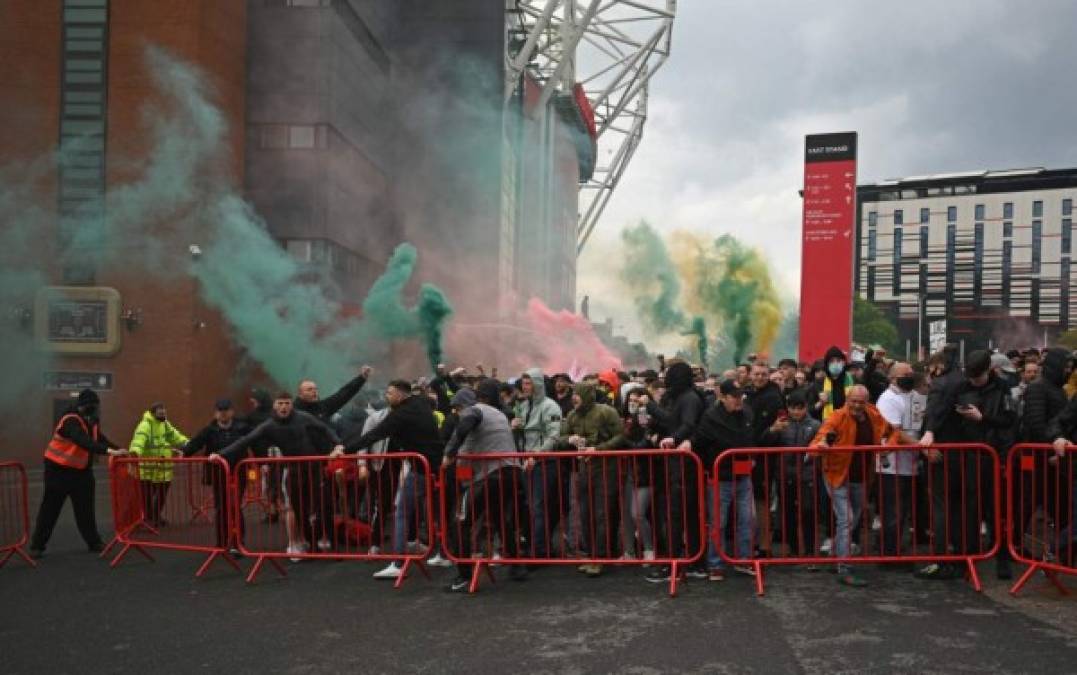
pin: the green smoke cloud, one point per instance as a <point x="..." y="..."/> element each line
<point x="651" y="277"/>
<point x="390" y="319"/>
<point x="699" y="330"/>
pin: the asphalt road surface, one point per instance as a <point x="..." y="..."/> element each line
<point x="75" y="615"/>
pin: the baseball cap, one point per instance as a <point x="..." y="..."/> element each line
<point x="223" y="404"/>
<point x="729" y="387"/>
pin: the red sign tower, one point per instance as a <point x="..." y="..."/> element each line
<point x="826" y="276"/>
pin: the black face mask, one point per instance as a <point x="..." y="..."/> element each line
<point x="906" y="383"/>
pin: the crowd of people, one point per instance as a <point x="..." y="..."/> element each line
<point x="997" y="399"/>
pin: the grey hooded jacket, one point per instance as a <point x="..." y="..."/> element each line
<point x="540" y="418"/>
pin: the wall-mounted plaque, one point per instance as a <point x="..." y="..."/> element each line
<point x="79" y="321"/>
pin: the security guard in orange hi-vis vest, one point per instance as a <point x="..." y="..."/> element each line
<point x="69" y="473"/>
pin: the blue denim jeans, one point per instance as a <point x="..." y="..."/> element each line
<point x="847" y="500"/>
<point x="742" y="546"/>
<point x="409" y="497"/>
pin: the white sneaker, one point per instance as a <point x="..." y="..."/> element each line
<point x="324" y="545"/>
<point x="437" y="561"/>
<point x="876" y="524"/>
<point x="648" y="555"/>
<point x="497" y="556"/>
<point x="374" y="550"/>
<point x="628" y="556"/>
<point x="825" y="548"/>
<point x="296" y="550"/>
<point x="390" y="572"/>
<point x="414" y="547"/>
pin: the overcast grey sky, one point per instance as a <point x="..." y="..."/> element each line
<point x="931" y="87"/>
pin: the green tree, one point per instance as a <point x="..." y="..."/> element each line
<point x="870" y="326"/>
<point x="1067" y="339"/>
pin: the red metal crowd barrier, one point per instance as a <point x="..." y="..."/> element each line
<point x="14" y="513"/>
<point x="937" y="505"/>
<point x="634" y="507"/>
<point x="1040" y="510"/>
<point x="356" y="507"/>
<point x="178" y="504"/>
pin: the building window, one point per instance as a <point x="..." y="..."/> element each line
<point x="1037" y="209"/>
<point x="979" y="212"/>
<point x="925" y="216"/>
<point x="1007" y="210"/>
<point x="951" y="214"/>
<point x="873" y="218"/>
<point x="951" y="257"/>
<point x="923" y="241"/>
<point x="1007" y="229"/>
<point x="978" y="263"/>
<point x="871" y="244"/>
<point x="1037" y="245"/>
<point x="1067" y="207"/>
<point x="899" y="217"/>
<point x="897" y="260"/>
<point x="1007" y="266"/>
<point x="1067" y="235"/>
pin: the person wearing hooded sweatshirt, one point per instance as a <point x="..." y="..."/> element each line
<point x="595" y="427"/>
<point x="156" y="437"/>
<point x="1044" y="400"/>
<point x="536" y="426"/>
<point x="675" y="418"/>
<point x="976" y="408"/>
<point x="1045" y="397"/>
<point x="488" y="491"/>
<point x="830" y="391"/>
<point x="69" y="473"/>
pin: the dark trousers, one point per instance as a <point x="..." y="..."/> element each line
<point x="61" y="483"/>
<point x="897" y="509"/>
<point x="310" y="496"/>
<point x="678" y="512"/>
<point x="153" y="500"/>
<point x="487" y="506"/>
<point x="800" y="513"/>
<point x="956" y="505"/>
<point x="220" y="506"/>
<point x="548" y="500"/>
<point x="600" y="507"/>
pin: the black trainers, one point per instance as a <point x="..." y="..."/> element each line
<point x="458" y="585"/>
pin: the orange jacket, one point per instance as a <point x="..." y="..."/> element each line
<point x="836" y="464"/>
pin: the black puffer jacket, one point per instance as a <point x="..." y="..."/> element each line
<point x="1045" y="398"/>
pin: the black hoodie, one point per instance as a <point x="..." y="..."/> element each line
<point x="681" y="407"/>
<point x="1045" y="398"/>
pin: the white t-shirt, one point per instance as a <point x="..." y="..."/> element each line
<point x="901" y="411"/>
